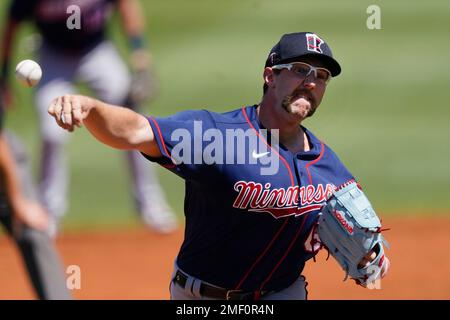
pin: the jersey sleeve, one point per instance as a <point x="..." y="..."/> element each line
<point x="21" y="9"/>
<point x="338" y="171"/>
<point x="179" y="138"/>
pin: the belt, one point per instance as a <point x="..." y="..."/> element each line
<point x="209" y="291"/>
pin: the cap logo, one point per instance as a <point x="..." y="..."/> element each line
<point x="272" y="56"/>
<point x="314" y="42"/>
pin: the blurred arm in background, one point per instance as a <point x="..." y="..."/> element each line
<point x="26" y="211"/>
<point x="6" y="43"/>
<point x="131" y="13"/>
<point x="143" y="86"/>
<point x="27" y="222"/>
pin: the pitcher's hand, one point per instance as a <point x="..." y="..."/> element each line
<point x="69" y="111"/>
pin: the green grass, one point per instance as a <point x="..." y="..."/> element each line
<point x="387" y="115"/>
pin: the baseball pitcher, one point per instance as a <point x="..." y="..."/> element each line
<point x="263" y="193"/>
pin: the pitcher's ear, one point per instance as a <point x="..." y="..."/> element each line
<point x="269" y="77"/>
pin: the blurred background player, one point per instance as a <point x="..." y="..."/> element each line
<point x="75" y="48"/>
<point x="26" y="221"/>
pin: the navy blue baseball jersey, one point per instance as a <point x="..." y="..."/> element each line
<point x="52" y="17"/>
<point x="245" y="229"/>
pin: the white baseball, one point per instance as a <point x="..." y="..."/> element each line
<point x="29" y="73"/>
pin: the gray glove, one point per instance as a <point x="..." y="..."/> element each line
<point x="350" y="229"/>
<point x="143" y="88"/>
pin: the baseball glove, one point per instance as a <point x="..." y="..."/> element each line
<point x="350" y="229"/>
<point x="143" y="88"/>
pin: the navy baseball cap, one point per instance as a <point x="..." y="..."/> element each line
<point x="293" y="46"/>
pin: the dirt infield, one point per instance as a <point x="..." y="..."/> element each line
<point x="137" y="265"/>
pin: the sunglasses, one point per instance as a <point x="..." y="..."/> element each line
<point x="303" y="70"/>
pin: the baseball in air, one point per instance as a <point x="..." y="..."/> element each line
<point x="28" y="72"/>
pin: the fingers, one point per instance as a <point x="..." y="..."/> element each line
<point x="367" y="259"/>
<point x="51" y="108"/>
<point x="55" y="110"/>
<point x="66" y="115"/>
<point x="34" y="216"/>
<point x="67" y="112"/>
<point x="385" y="268"/>
<point x="77" y="115"/>
<point x="40" y="219"/>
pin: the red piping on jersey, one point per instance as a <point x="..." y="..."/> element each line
<point x="308" y="209"/>
<point x="162" y="142"/>
<point x="315" y="161"/>
<point x="285" y="222"/>
<point x="285" y="254"/>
